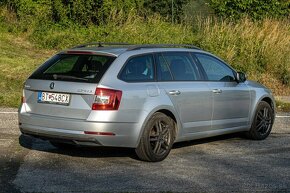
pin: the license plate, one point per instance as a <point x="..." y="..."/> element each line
<point x="53" y="98"/>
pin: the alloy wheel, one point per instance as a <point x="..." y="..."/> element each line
<point x="159" y="138"/>
<point x="264" y="121"/>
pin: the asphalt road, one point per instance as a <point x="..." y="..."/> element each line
<point x="221" y="164"/>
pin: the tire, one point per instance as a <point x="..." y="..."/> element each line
<point x="262" y="123"/>
<point x="157" y="138"/>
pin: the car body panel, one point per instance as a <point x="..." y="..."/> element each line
<point x="231" y="104"/>
<point x="193" y="96"/>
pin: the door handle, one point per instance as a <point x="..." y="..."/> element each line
<point x="174" y="92"/>
<point x="217" y="91"/>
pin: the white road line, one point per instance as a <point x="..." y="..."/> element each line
<point x="278" y="116"/>
<point x="8" y="112"/>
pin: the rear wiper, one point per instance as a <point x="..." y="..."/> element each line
<point x="56" y="76"/>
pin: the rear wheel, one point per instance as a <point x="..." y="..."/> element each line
<point x="263" y="122"/>
<point x="157" y="139"/>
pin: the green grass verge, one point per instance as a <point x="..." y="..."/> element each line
<point x="282" y="106"/>
<point x="18" y="59"/>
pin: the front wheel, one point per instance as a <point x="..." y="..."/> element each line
<point x="157" y="139"/>
<point x="263" y="122"/>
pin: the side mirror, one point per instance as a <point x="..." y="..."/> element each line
<point x="241" y="77"/>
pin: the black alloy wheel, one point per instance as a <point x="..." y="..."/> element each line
<point x="263" y="122"/>
<point x="157" y="139"/>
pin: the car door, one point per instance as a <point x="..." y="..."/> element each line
<point x="179" y="77"/>
<point x="231" y="100"/>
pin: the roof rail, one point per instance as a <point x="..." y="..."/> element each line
<point x="101" y="44"/>
<point x="137" y="47"/>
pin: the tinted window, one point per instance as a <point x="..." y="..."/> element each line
<point x="176" y="65"/>
<point x="215" y="69"/>
<point x="138" y="69"/>
<point x="163" y="71"/>
<point x="78" y="68"/>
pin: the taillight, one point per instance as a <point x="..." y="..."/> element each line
<point x="107" y="99"/>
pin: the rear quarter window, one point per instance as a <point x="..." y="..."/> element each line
<point x="138" y="69"/>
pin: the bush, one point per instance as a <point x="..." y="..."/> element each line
<point x="166" y="9"/>
<point x="82" y="12"/>
<point x="85" y="12"/>
<point x="256" y="9"/>
<point x="197" y="8"/>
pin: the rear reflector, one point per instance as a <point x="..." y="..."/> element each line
<point x="23" y="99"/>
<point x="99" y="133"/>
<point x="107" y="99"/>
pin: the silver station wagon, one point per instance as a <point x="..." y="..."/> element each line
<point x="145" y="97"/>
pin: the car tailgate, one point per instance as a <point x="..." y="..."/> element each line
<point x="81" y="96"/>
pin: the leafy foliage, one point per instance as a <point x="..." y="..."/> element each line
<point x="82" y="12"/>
<point x="166" y="8"/>
<point x="256" y="9"/>
<point x="85" y="12"/>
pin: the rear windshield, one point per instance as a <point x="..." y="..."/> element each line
<point x="74" y="67"/>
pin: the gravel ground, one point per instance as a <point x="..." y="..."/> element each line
<point x="220" y="164"/>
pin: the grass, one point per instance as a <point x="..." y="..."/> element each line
<point x="18" y="59"/>
<point x="261" y="49"/>
<point x="133" y="29"/>
<point x="282" y="106"/>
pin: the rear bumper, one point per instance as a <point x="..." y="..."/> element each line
<point x="73" y="130"/>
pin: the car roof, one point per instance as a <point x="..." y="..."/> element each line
<point x="120" y="48"/>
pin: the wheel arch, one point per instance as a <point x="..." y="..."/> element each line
<point x="172" y="116"/>
<point x="268" y="99"/>
<point x="170" y="112"/>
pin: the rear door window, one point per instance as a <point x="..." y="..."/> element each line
<point x="177" y="66"/>
<point x="72" y="67"/>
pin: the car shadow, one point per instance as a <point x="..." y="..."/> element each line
<point x="74" y="150"/>
<point x="208" y="140"/>
<point x="103" y="152"/>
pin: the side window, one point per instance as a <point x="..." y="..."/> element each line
<point x="163" y="72"/>
<point x="215" y="69"/>
<point x="138" y="69"/>
<point x="177" y="66"/>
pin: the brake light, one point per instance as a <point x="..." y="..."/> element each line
<point x="107" y="99"/>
